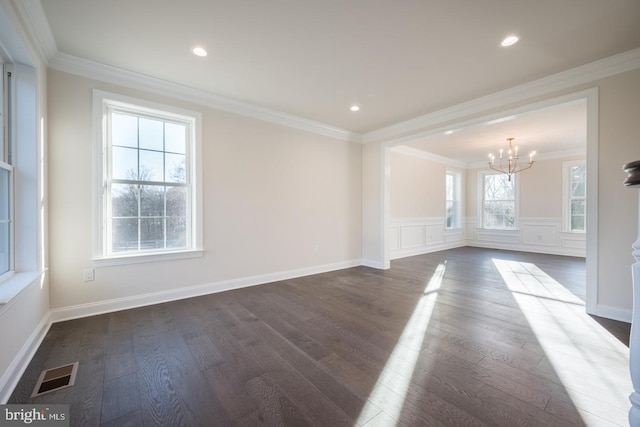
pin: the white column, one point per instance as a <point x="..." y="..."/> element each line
<point x="634" y="340"/>
<point x="633" y="180"/>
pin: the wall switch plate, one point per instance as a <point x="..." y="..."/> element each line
<point x="88" y="275"/>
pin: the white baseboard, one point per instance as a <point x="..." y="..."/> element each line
<point x="403" y="253"/>
<point x="12" y="375"/>
<point x="613" y="313"/>
<point x="373" y="264"/>
<point x="526" y="248"/>
<point x="117" y="304"/>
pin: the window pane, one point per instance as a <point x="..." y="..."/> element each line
<point x="151" y="233"/>
<point x="175" y="137"/>
<point x="124" y="200"/>
<point x="125" y="235"/>
<point x="450" y="182"/>
<point x="577" y="189"/>
<point x="151" y="200"/>
<point x="578" y="173"/>
<point x="577" y="207"/>
<point x="151" y="137"/>
<point x="499" y="201"/>
<point x="151" y="166"/>
<point x="124" y="163"/>
<point x="175" y="168"/>
<point x="5" y="223"/>
<point x="450" y="214"/>
<point x="5" y="194"/>
<point x="176" y="201"/>
<point x="176" y="232"/>
<point x="577" y="223"/>
<point x="124" y="130"/>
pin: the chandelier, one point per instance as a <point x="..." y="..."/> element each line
<point x="510" y="166"/>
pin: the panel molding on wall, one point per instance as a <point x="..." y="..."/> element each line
<point x="540" y="235"/>
<point x="416" y="236"/>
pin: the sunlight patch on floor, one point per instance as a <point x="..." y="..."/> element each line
<point x="390" y="391"/>
<point x="563" y="329"/>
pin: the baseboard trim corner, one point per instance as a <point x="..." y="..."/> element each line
<point x="12" y="375"/>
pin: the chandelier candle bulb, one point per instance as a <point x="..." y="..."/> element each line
<point x="511" y="167"/>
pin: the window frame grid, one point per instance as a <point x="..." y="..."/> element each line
<point x="457" y="199"/>
<point x="6" y="153"/>
<point x="108" y="250"/>
<point x="567" y="197"/>
<point x="104" y="105"/>
<point x="481" y="202"/>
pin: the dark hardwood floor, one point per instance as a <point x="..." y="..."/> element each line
<point x="467" y="337"/>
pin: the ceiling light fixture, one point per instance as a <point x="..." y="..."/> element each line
<point x="355" y="107"/>
<point x="509" y="41"/>
<point x="199" y="51"/>
<point x="512" y="160"/>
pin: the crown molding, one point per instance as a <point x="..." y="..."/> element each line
<point x="606" y="67"/>
<point x="414" y="152"/>
<point x="109" y="74"/>
<point x="37" y="26"/>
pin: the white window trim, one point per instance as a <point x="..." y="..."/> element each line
<point x="457" y="196"/>
<point x="101" y="101"/>
<point x="566" y="183"/>
<point x="480" y="200"/>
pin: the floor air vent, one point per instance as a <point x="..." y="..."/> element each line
<point x="55" y="379"/>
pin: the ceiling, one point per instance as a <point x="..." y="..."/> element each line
<point x="314" y="59"/>
<point x="551" y="131"/>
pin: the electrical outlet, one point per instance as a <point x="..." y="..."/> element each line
<point x="88" y="275"/>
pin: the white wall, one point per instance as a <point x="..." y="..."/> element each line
<point x="277" y="202"/>
<point x="417" y="205"/>
<point x="24" y="319"/>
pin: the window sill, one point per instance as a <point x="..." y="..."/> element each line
<point x="12" y="286"/>
<point x="144" y="258"/>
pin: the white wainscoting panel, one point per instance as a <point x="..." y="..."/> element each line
<point x="542" y="235"/>
<point x="415" y="236"/>
<point x="412" y="236"/>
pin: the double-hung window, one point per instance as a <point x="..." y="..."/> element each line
<point x="453" y="199"/>
<point x="498" y="201"/>
<point x="149" y="180"/>
<point x="6" y="178"/>
<point x="574" y="192"/>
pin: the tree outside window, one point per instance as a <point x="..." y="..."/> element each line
<point x="499" y="201"/>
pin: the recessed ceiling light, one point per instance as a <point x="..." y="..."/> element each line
<point x="199" y="51"/>
<point x="509" y="41"/>
<point x="355" y="107"/>
<point x="449" y="132"/>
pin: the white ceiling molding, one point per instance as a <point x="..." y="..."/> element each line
<point x="38" y="26"/>
<point x="414" y="152"/>
<point x="107" y="73"/>
<point x="613" y="65"/>
<point x="564" y="154"/>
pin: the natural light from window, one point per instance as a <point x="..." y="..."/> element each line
<point x="553" y="314"/>
<point x="387" y="398"/>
